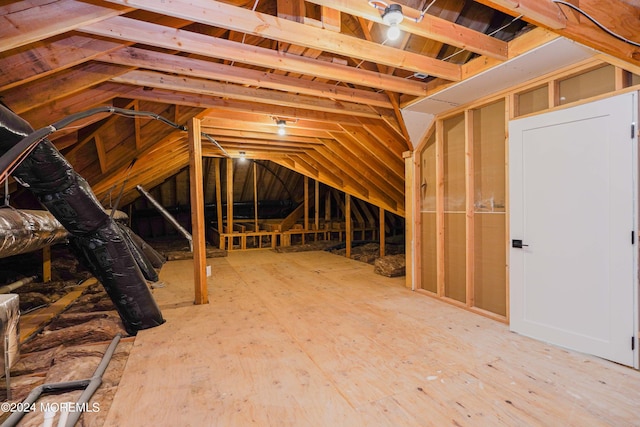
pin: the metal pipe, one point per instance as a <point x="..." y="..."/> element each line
<point x="90" y="385"/>
<point x="18" y="283"/>
<point x="96" y="381"/>
<point x="166" y="215"/>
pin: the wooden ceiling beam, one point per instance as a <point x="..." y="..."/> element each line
<point x="394" y="98"/>
<point x="341" y="168"/>
<point x="45" y="58"/>
<point x="219" y="118"/>
<point x="430" y="27"/>
<point x="202" y="101"/>
<point x="258" y="144"/>
<point x="296" y="164"/>
<point x="173" y="146"/>
<point x="59" y="85"/>
<point x="58" y="109"/>
<point x="291" y="140"/>
<point x="619" y="16"/>
<point x="367" y="170"/>
<point x="327" y="172"/>
<point x="235" y="18"/>
<point x="540" y="12"/>
<point x="20" y="26"/>
<point x="354" y="183"/>
<point x="380" y="131"/>
<point x="152" y="79"/>
<point x="386" y="156"/>
<point x="158" y="61"/>
<point x="175" y="39"/>
<point x="377" y="172"/>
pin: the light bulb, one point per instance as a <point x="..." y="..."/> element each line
<point x="393" y="32"/>
<point x="281" y="129"/>
<point x="392" y="16"/>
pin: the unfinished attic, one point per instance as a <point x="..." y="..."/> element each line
<point x="319" y="213"/>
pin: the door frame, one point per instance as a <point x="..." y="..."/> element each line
<point x="516" y="258"/>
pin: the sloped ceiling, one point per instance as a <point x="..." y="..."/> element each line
<point x="324" y="67"/>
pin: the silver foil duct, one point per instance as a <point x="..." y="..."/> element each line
<point x="23" y="231"/>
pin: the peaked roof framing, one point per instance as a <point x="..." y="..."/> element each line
<point x="324" y="67"/>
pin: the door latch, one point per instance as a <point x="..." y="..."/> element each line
<point x="517" y="243"/>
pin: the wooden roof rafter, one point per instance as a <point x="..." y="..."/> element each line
<point x="170" y="38"/>
<point x="239" y="19"/>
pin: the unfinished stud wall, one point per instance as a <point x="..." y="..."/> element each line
<point x="428" y="183"/>
<point x="461" y="172"/>
<point x="463" y="209"/>
<point x="489" y="213"/>
<point x="453" y="151"/>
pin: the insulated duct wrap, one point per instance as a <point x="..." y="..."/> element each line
<point x="9" y="321"/>
<point x="23" y="231"/>
<point x="149" y="255"/>
<point x="95" y="236"/>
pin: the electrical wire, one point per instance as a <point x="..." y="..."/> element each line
<point x="214" y="142"/>
<point x="491" y="34"/>
<point x="124" y="182"/>
<point x="598" y="24"/>
<point x="20" y="151"/>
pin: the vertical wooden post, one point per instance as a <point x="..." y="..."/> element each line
<point x="620" y="77"/>
<point x="383" y="231"/>
<point x="230" y="199"/>
<point x="327" y="210"/>
<point x="216" y="171"/>
<point x="197" y="213"/>
<point x="469" y="208"/>
<point x="409" y="225"/>
<point x="255" y="196"/>
<point x="306" y="204"/>
<point x="316" y="194"/>
<point x="46" y="264"/>
<point x="347" y="214"/>
<point x="507" y="243"/>
<point x="553" y="93"/>
<point x="440" y="258"/>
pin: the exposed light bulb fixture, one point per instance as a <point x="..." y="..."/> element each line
<point x="243" y="156"/>
<point x="392" y="16"/>
<point x="281" y="130"/>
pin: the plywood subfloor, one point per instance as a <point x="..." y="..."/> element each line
<point x="313" y="339"/>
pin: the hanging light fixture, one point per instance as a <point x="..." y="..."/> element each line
<point x="243" y="156"/>
<point x="392" y="16"/>
<point x="281" y="127"/>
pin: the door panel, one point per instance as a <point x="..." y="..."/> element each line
<point x="572" y="193"/>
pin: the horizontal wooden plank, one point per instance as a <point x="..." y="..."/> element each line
<point x="161" y="36"/>
<point x="219" y="14"/>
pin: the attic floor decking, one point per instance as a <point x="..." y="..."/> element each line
<point x="313" y="339"/>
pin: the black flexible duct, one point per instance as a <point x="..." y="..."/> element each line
<point x="96" y="237"/>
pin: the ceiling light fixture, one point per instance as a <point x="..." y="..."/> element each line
<point x="392" y="16"/>
<point x="243" y="155"/>
<point x="281" y="123"/>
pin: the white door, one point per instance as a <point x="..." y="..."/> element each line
<point x="573" y="206"/>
